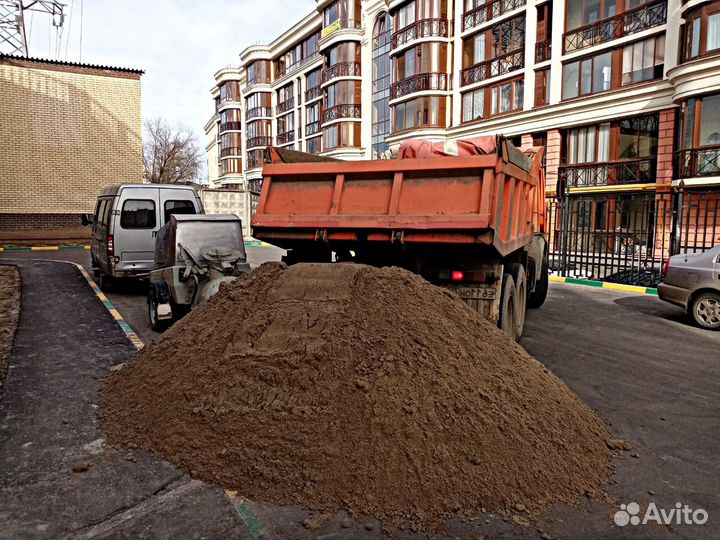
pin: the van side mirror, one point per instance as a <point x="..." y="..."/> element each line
<point x="86" y="219"/>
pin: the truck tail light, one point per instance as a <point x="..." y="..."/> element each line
<point x="666" y="268"/>
<point x="457" y="276"/>
<point x="110" y="245"/>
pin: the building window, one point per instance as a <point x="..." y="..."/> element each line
<point x="341" y="135"/>
<point x="381" y="84"/>
<point x="638" y="137"/>
<point x="699" y="137"/>
<point x="542" y="87"/>
<point x="230" y="166"/>
<point x="298" y="55"/>
<point x="583" y="12"/>
<point x="587" y="76"/>
<point x="643" y="61"/>
<point x="473" y="104"/>
<point x="495" y="51"/>
<point x="701" y="32"/>
<point x="314" y="145"/>
<point x="255" y="158"/>
<point x="506" y="97"/>
<point x="341" y="14"/>
<point x="258" y="72"/>
<point x="427" y="111"/>
<point x="230" y="91"/>
<point x="285" y="98"/>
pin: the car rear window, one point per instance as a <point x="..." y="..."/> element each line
<point x="138" y="214"/>
<point x="178" y="207"/>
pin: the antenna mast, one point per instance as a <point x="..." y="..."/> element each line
<point x="13" y="39"/>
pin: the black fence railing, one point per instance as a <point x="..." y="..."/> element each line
<point x="488" y="11"/>
<point x="341" y="69"/>
<point x="258" y="142"/>
<point x="311" y="128"/>
<point x="629" y="171"/>
<point x="627" y="237"/>
<point x="623" y="24"/>
<point x="421" y="29"/>
<point x="230" y="126"/>
<point x="313" y="93"/>
<point x="494" y="67"/>
<point x="258" y="112"/>
<point x="695" y="162"/>
<point x="341" y="111"/>
<point x="286" y="137"/>
<point x="419" y="83"/>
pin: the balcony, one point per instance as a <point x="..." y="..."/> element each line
<point x="259" y="142"/>
<point x="341" y="69"/>
<point x="312" y="128"/>
<point x="489" y="11"/>
<point x="624" y="24"/>
<point x="611" y="173"/>
<point x="494" y="67"/>
<point x="282" y="71"/>
<point x="313" y="93"/>
<point x="421" y="29"/>
<point x="339" y="112"/>
<point x="231" y="151"/>
<point x="258" y="112"/>
<point x="286" y="105"/>
<point x="543" y="51"/>
<point x="230" y="126"/>
<point x="697" y="162"/>
<point x="419" y="83"/>
<point x="285" y="138"/>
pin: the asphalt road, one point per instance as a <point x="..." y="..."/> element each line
<point x="634" y="359"/>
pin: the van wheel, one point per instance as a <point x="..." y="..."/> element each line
<point x="538" y="296"/>
<point x="518" y="273"/>
<point x="105" y="282"/>
<point x="508" y="307"/>
<point x="705" y="310"/>
<point x="155" y="323"/>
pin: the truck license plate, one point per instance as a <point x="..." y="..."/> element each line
<point x="474" y="293"/>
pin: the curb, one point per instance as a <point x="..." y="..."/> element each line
<point x="605" y="285"/>
<point x="11" y="249"/>
<point x="122" y="323"/>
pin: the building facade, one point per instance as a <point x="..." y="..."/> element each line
<point x="624" y="95"/>
<point x="67" y="131"/>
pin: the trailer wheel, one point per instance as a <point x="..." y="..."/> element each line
<point x="155" y="323"/>
<point x="508" y="307"/>
<point x="537" y="297"/>
<point x="518" y="273"/>
<point x="105" y="282"/>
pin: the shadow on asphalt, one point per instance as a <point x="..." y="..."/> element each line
<point x="654" y="307"/>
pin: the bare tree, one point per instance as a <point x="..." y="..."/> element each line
<point x="171" y="154"/>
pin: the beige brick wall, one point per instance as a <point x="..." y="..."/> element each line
<point x="65" y="133"/>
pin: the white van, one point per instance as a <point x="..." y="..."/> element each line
<point x="126" y="221"/>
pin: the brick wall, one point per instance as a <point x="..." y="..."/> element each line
<point x="666" y="134"/>
<point x="552" y="158"/>
<point x="66" y="133"/>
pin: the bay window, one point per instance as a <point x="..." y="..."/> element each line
<point x="427" y="111"/>
<point x="341" y="135"/>
<point x="699" y="137"/>
<point x="701" y="32"/>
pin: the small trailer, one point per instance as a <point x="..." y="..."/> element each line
<point x="194" y="255"/>
<point x="473" y="221"/>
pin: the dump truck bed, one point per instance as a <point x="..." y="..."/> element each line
<point x="495" y="199"/>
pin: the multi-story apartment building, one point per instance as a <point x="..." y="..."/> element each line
<point x="624" y="95"/>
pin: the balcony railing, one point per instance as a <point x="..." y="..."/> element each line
<point x="624" y="24"/>
<point x="313" y="93"/>
<point x="312" y="128"/>
<point x="230" y="126"/>
<point x="258" y="142"/>
<point x="621" y="172"/>
<point x="258" y="112"/>
<point x="346" y="110"/>
<point x="231" y="151"/>
<point x="419" y="83"/>
<point x="542" y="50"/>
<point x="494" y="67"/>
<point x="341" y="69"/>
<point x="695" y="162"/>
<point x="286" y="105"/>
<point x="282" y="71"/>
<point x="420" y="29"/>
<point x="286" y="137"/>
<point x="489" y="11"/>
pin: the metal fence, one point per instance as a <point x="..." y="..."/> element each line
<point x="627" y="237"/>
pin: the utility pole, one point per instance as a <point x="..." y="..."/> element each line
<point x="13" y="37"/>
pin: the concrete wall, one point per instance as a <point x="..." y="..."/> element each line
<point x="223" y="201"/>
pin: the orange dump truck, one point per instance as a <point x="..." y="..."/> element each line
<point x="467" y="215"/>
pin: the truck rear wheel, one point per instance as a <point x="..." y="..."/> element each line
<point x="537" y="297"/>
<point x="518" y="273"/>
<point x="508" y="307"/>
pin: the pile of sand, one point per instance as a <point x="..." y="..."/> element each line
<point x="351" y="387"/>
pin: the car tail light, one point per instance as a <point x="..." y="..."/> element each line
<point x="666" y="268"/>
<point x="457" y="275"/>
<point x="110" y="245"/>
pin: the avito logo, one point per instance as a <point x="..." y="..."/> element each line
<point x="681" y="514"/>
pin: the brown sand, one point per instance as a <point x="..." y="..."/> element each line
<point x="351" y="387"/>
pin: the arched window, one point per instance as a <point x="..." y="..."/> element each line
<point x="381" y="84"/>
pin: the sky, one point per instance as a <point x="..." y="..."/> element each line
<point x="179" y="43"/>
